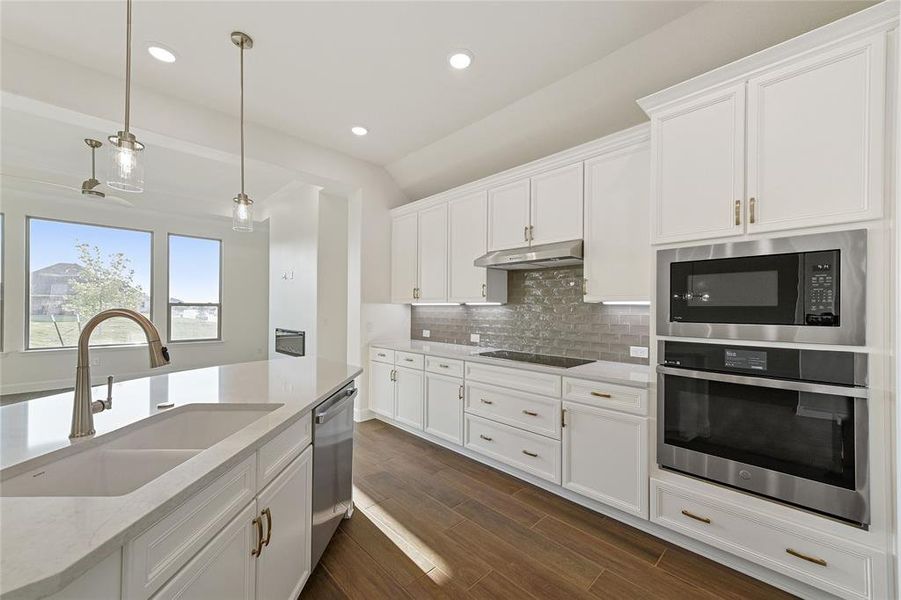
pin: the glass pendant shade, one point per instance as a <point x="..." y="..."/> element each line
<point x="126" y="167"/>
<point x="242" y="213"/>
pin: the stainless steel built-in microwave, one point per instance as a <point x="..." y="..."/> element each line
<point x="809" y="288"/>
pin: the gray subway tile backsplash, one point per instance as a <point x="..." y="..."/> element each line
<point x="544" y="314"/>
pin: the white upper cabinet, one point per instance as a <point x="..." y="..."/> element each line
<point x="698" y="167"/>
<point x="556" y="206"/>
<point x="815" y="139"/>
<point x="468" y="217"/>
<point x="508" y="216"/>
<point x="432" y="278"/>
<point x="617" y="234"/>
<point x="404" y="257"/>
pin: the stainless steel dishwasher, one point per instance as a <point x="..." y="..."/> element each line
<point x="333" y="444"/>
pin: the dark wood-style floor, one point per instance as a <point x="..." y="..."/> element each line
<point x="430" y="523"/>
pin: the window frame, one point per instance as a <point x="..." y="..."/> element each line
<point x="28" y="220"/>
<point x="170" y="304"/>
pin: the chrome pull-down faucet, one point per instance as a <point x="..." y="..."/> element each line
<point x="84" y="407"/>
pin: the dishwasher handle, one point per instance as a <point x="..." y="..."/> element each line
<point x="335" y="407"/>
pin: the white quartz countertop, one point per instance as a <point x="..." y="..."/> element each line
<point x="46" y="542"/>
<point x="600" y="370"/>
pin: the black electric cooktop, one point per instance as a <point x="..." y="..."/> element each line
<point x="540" y="359"/>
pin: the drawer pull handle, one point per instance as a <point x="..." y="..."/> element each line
<point x="532" y="454"/>
<point x="460" y="393"/>
<point x="696" y="517"/>
<point x="382" y="355"/>
<point x="601" y="394"/>
<point x="409" y="359"/>
<point x="259" y="524"/>
<point x="802" y="556"/>
<point x="487" y="401"/>
<point x="531" y="413"/>
<point x="268" y="514"/>
<point x="485" y="437"/>
<point x="443" y="366"/>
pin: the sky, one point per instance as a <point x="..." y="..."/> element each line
<point x="194" y="268"/>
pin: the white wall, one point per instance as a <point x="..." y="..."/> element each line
<point x="331" y="317"/>
<point x="244" y="295"/>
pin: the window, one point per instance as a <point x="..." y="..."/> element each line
<point x="194" y="281"/>
<point x="76" y="271"/>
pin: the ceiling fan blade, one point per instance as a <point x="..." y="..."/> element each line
<point x="117" y="200"/>
<point x="114" y="199"/>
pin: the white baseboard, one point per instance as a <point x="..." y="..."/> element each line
<point x="363" y="414"/>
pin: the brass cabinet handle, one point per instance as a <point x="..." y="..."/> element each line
<point x="444" y="366"/>
<point x="532" y="454"/>
<point x="696" y="517"/>
<point x="802" y="556"/>
<point x="259" y="523"/>
<point x="601" y="394"/>
<point x="268" y="514"/>
<point x="381" y="354"/>
<point x="485" y="437"/>
<point x="487" y="401"/>
<point x="484" y="290"/>
<point x="460" y="393"/>
<point x="738" y="212"/>
<point x="752" y="207"/>
<point x="525" y="233"/>
<point x="409" y="360"/>
<point x="531" y="232"/>
<point x="393" y="375"/>
<point x="530" y="413"/>
<point x="563" y="418"/>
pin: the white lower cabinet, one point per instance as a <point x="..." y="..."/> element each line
<point x="285" y="507"/>
<point x="408" y="396"/>
<point x="381" y="388"/>
<point x="605" y="457"/>
<point x="225" y="568"/>
<point x="444" y="407"/>
<point x="534" y="454"/>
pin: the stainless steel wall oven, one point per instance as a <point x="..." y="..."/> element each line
<point x="784" y="423"/>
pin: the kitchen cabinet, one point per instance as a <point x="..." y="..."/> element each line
<point x="698" y="167"/>
<point x="444" y="407"/>
<point x="815" y="139"/>
<point x="408" y="396"/>
<point x="617" y="235"/>
<point x="381" y="388"/>
<point x="556" y="205"/>
<point x="404" y="258"/>
<point x="285" y="507"/>
<point x="468" y="240"/>
<point x="431" y="281"/>
<point x="605" y="456"/>
<point x="509" y="215"/>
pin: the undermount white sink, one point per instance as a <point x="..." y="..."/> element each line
<point x="136" y="456"/>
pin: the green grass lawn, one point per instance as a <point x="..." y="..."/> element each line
<point x="43" y="334"/>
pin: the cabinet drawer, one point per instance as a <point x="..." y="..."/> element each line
<point x="155" y="555"/>
<point x="381" y="355"/>
<point x="517" y="379"/>
<point x="408" y="359"/>
<point x="837" y="566"/>
<point x="606" y="395"/>
<point x="526" y="451"/>
<point x="537" y="414"/>
<point x="282" y="449"/>
<point x="444" y="366"/>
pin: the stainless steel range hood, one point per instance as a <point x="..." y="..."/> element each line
<point x="559" y="254"/>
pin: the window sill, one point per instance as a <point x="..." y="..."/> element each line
<point x="183" y="342"/>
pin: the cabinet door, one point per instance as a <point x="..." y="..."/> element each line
<point x="617" y="234"/>
<point x="433" y="254"/>
<point x="605" y="457"/>
<point x="381" y="389"/>
<point x="286" y="508"/>
<point x="508" y="216"/>
<point x="408" y="397"/>
<point x="404" y="253"/>
<point x="816" y="139"/>
<point x="225" y="568"/>
<point x="468" y="240"/>
<point x="556" y="207"/>
<point x="444" y="407"/>
<point x="698" y="166"/>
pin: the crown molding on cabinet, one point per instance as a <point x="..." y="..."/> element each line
<point x="881" y="17"/>
<point x="608" y="143"/>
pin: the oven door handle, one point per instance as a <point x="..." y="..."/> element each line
<point x="798" y="386"/>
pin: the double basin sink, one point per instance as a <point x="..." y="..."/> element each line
<point x="134" y="455"/>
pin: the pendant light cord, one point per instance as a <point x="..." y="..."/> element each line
<point x="242" y="116"/>
<point x="127" y="64"/>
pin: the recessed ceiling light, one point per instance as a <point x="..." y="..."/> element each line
<point x="361" y="131"/>
<point x="460" y="59"/>
<point x="161" y="53"/>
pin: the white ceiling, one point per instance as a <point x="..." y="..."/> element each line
<point x="317" y="68"/>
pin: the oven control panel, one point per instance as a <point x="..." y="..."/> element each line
<point x="821" y="288"/>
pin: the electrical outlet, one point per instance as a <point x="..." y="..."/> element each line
<point x="474" y="338"/>
<point x="426" y="333"/>
<point x="638" y="351"/>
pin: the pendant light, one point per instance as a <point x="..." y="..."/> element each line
<point x="242" y="209"/>
<point x="126" y="169"/>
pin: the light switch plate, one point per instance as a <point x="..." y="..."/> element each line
<point x="426" y="333"/>
<point x="474" y="337"/>
<point x="638" y="351"/>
